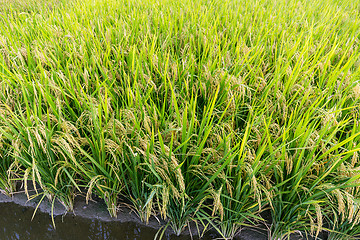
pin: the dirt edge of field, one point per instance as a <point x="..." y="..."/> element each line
<point x="96" y="209"/>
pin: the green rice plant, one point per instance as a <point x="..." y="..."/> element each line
<point x="43" y="156"/>
<point x="343" y="222"/>
<point x="100" y="162"/>
<point x="7" y="169"/>
<point x="242" y="192"/>
<point x="200" y="111"/>
<point x="302" y="189"/>
<point x="140" y="189"/>
<point x="178" y="165"/>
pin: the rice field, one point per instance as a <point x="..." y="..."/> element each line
<point x="206" y="111"/>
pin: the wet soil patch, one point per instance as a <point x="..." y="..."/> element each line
<point x="88" y="221"/>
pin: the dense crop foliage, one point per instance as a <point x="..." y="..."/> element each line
<point x="193" y="110"/>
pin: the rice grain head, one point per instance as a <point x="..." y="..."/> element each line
<point x="356" y="91"/>
<point x="318" y="218"/>
<point x="341" y="204"/>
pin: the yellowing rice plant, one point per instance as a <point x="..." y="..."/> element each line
<point x="192" y="110"/>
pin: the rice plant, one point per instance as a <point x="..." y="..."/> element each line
<point x="196" y="111"/>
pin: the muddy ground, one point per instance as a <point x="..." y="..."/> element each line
<point x="89" y="221"/>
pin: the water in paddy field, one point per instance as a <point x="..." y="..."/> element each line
<point x="15" y="223"/>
